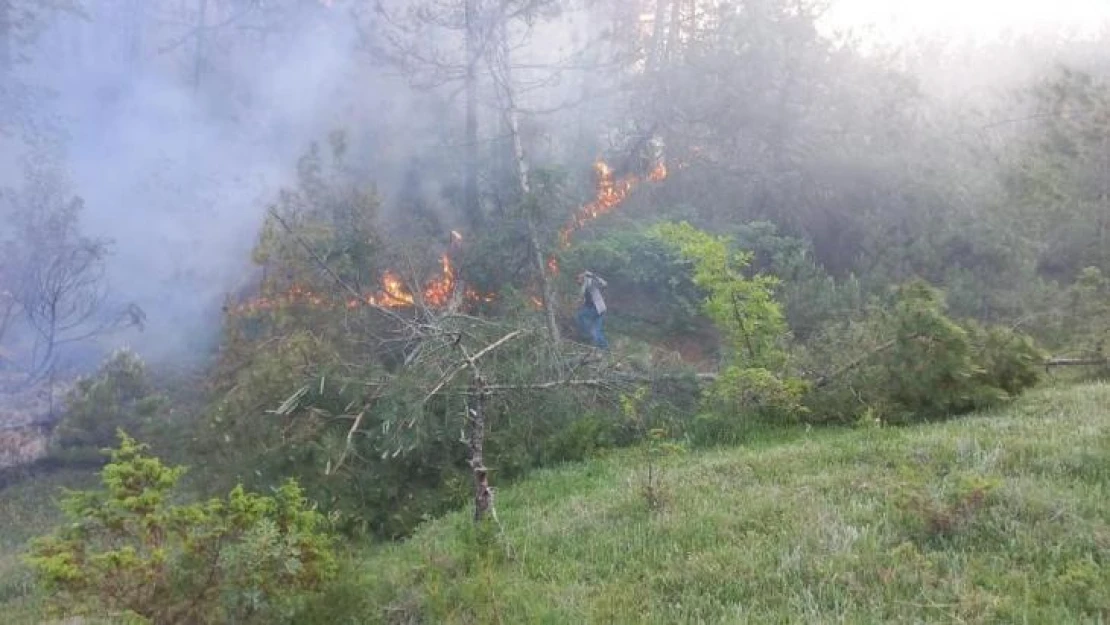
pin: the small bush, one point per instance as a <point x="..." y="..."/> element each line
<point x="129" y="549"/>
<point x="758" y="393"/>
<point x="911" y="362"/>
<point x="930" y="517"/>
<point x="118" y="396"/>
<point x="743" y="399"/>
<point x="658" y="445"/>
<point x="580" y="438"/>
<point x="753" y="384"/>
<point x="1009" y="360"/>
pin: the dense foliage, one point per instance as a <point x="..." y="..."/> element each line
<point x="118" y="396"/>
<point x="132" y="549"/>
<point x="910" y="361"/>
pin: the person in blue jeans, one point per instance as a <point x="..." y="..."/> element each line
<point x="591" y="315"/>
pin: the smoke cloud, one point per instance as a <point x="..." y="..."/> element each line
<point x="177" y="176"/>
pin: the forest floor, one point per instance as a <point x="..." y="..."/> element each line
<point x="998" y="517"/>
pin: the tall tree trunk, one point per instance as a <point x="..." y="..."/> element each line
<point x="513" y="118"/>
<point x="135" y="22"/>
<point x="655" y="52"/>
<point x="674" y="35"/>
<point x="6" y="36"/>
<point x="198" y="59"/>
<point x="471" y="204"/>
<point x="476" y="441"/>
<point x="1104" y="206"/>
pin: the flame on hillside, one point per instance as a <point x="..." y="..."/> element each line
<point x="442" y="289"/>
<point x="611" y="192"/>
<point x="439" y="291"/>
<point x="393" y="293"/>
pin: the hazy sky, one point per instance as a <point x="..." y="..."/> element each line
<point x="898" y="20"/>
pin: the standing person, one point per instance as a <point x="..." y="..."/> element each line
<point x="591" y="316"/>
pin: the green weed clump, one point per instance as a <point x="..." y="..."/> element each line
<point x="132" y="550"/>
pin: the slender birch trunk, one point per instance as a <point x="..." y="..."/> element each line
<point x="513" y="118"/>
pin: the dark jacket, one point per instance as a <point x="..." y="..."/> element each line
<point x="591" y="292"/>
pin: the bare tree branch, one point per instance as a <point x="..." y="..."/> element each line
<point x="471" y="362"/>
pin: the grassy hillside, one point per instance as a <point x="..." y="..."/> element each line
<point x="998" y="518"/>
<point x="28" y="508"/>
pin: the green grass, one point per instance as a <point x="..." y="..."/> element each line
<point x="997" y="518"/>
<point x="1003" y="517"/>
<point x="27" y="509"/>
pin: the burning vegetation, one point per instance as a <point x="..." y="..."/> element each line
<point x="611" y="192"/>
<point x="394" y="293"/>
<point x="441" y="290"/>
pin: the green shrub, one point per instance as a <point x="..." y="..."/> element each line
<point x="743" y="308"/>
<point x="928" y="516"/>
<point x="118" y="396"/>
<point x="580" y="438"/>
<point x="810" y="297"/>
<point x="931" y="370"/>
<point x="911" y="362"/>
<point x="742" y="397"/>
<point x="1081" y="326"/>
<point x="129" y="549"/>
<point x="753" y="385"/>
<point x="1009" y="360"/>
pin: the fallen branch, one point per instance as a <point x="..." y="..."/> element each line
<point x="347" y="447"/>
<point x="1076" y="362"/>
<point x="825" y="380"/>
<point x="597" y="382"/>
<point x="504" y="388"/>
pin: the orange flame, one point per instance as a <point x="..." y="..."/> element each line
<point x="393" y="293"/>
<point x="611" y="192"/>
<point x="296" y="294"/>
<point x="439" y="291"/>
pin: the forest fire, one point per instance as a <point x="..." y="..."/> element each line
<point x="439" y="291"/>
<point x="393" y="294"/>
<point x="611" y="192"/>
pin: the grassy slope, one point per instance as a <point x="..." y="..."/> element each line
<point x="998" y="518"/>
<point x="27" y="509"/>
